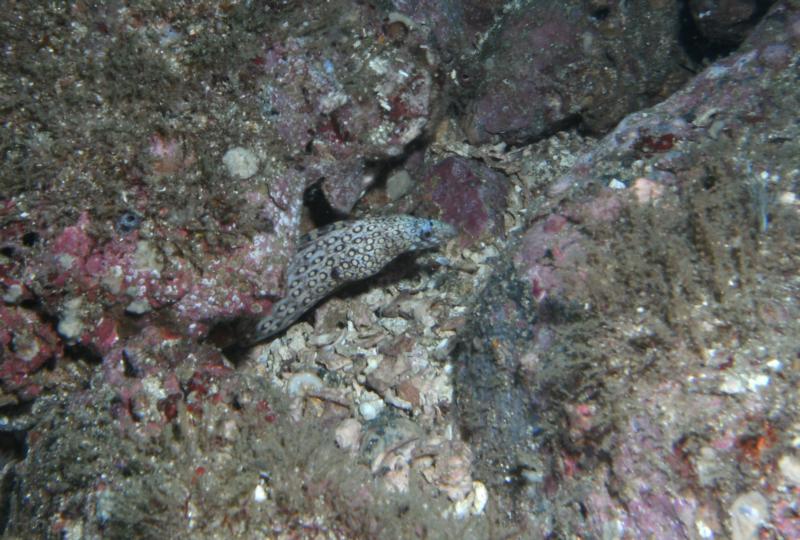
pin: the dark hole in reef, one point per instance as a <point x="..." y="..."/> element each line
<point x="29" y="239"/>
<point x="554" y="311"/>
<point x="584" y="511"/>
<point x="134" y="414"/>
<point x="82" y="352"/>
<point x="709" y="182"/>
<point x="235" y="353"/>
<point x="131" y="367"/>
<point x="382" y="169"/>
<point x="572" y="121"/>
<point x="50" y="363"/>
<point x="600" y="14"/>
<point x="12" y="448"/>
<point x="236" y="404"/>
<point x="127" y="471"/>
<point x="8" y="251"/>
<point x="319" y="209"/>
<point x="697" y="46"/>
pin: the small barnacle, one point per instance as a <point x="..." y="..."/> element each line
<point x="397" y="26"/>
<point x="128" y="222"/>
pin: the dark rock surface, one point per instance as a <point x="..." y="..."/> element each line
<point x="589" y="363"/>
<point x="547" y="66"/>
<point x="727" y="22"/>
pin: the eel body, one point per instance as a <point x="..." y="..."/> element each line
<point x="341" y="253"/>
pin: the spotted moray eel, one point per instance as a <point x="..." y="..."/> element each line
<point x="340" y="253"/>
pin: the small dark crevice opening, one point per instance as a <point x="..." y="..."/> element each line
<point x="600" y="14"/>
<point x="383" y="168"/>
<point x="319" y="209"/>
<point x="82" y="352"/>
<point x="700" y="48"/>
<point x="13" y="449"/>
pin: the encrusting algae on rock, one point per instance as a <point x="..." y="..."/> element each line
<point x="341" y="253"/>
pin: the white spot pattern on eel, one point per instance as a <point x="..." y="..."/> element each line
<point x="341" y="253"/>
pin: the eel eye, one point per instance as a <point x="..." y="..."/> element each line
<point x="427" y="230"/>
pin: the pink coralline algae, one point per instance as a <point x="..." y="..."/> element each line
<point x="87" y="284"/>
<point x="26" y="345"/>
<point x="335" y="109"/>
<point x="549" y="257"/>
<point x="466" y="194"/>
